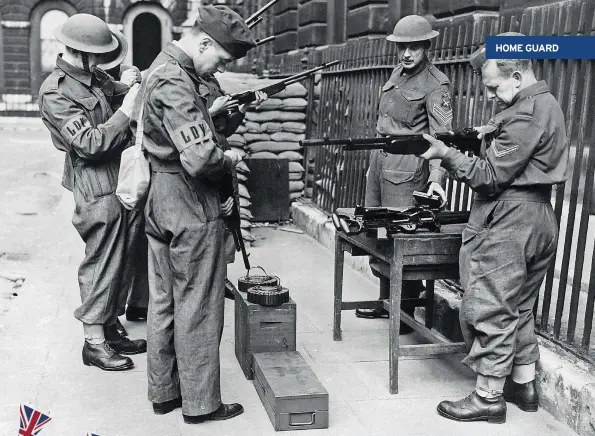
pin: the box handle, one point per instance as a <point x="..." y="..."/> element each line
<point x="270" y="324"/>
<point x="294" y="424"/>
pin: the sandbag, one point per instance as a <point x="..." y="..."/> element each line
<point x="293" y="127"/>
<point x="241" y="167"/>
<point x="293" y="90"/>
<point x="295" y="167"/>
<point x="245" y="203"/>
<point x="263" y="117"/>
<point x="239" y="151"/>
<point x="246" y="214"/>
<point x="263" y="155"/>
<point x="275" y="147"/>
<point x="294" y="195"/>
<point x="247" y="236"/>
<point x="272" y="127"/>
<point x="287" y="137"/>
<point x="245" y="224"/>
<point x="297" y="104"/>
<point x="241" y="130"/>
<point x="241" y="177"/>
<point x="295" y="176"/>
<point x="243" y="192"/>
<point x="252" y="127"/>
<point x="291" y="156"/>
<point x="270" y="104"/>
<point x="295" y="186"/>
<point x="255" y="137"/>
<point x="236" y="139"/>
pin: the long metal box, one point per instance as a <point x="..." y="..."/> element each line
<point x="291" y="393"/>
<point x="261" y="329"/>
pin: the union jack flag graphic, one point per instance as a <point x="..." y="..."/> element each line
<point x="32" y="421"/>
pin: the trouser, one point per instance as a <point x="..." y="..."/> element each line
<point x="138" y="296"/>
<point x="110" y="233"/>
<point x="410" y="288"/>
<point x="508" y="245"/>
<point x="186" y="300"/>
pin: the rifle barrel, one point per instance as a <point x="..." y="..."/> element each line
<point x="265" y="40"/>
<point x="261" y="11"/>
<point x="255" y="22"/>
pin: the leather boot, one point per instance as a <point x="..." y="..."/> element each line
<point x="121" y="344"/>
<point x="121" y="328"/>
<point x="104" y="357"/>
<point x="167" y="406"/>
<point x="523" y="395"/>
<point x="225" y="411"/>
<point x="381" y="313"/>
<point x="230" y="290"/>
<point x="475" y="408"/>
<point x="136" y="314"/>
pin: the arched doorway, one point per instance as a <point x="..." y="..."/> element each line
<point x="147" y="28"/>
<point x="146" y="40"/>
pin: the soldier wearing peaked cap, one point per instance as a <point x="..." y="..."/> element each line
<point x="183" y="219"/>
<point x="506" y="252"/>
<point x="87" y="114"/>
<point x="416" y="99"/>
<point x="227" y="117"/>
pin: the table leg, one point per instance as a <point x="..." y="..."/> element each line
<point x="339" y="258"/>
<point x="429" y="303"/>
<point x="396" y="283"/>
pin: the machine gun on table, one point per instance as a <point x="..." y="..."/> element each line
<point x="463" y="140"/>
<point x="385" y="221"/>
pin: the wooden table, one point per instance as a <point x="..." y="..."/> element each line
<point x="420" y="256"/>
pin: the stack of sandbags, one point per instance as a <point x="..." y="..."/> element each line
<point x="271" y="131"/>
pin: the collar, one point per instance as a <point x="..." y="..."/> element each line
<point x="181" y="58"/>
<point x="76" y="73"/>
<point x="531" y="90"/>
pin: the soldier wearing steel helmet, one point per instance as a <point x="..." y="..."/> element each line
<point x="416" y="99"/>
<point x="77" y="103"/>
<point x="506" y="251"/>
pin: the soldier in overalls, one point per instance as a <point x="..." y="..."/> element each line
<point x="76" y="103"/>
<point x="506" y="251"/>
<point x="183" y="219"/>
<point x="416" y="99"/>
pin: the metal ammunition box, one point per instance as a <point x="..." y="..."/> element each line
<point x="261" y="329"/>
<point x="291" y="393"/>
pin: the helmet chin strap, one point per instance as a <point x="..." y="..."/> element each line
<point x="86" y="62"/>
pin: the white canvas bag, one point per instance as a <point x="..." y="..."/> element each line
<point x="134" y="176"/>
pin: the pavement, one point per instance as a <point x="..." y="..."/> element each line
<point x="40" y="340"/>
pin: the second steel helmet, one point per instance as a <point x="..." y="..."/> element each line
<point x="86" y="33"/>
<point x="412" y="28"/>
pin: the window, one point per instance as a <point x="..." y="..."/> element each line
<point x="50" y="47"/>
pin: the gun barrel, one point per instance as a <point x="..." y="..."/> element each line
<point x="255" y="22"/>
<point x="265" y="40"/>
<point x="261" y="11"/>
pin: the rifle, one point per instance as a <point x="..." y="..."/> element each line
<point x="256" y="18"/>
<point x="250" y="96"/>
<point x="463" y="140"/>
<point x="233" y="221"/>
<point x="264" y="40"/>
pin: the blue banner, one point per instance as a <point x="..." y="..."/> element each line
<point x="540" y="47"/>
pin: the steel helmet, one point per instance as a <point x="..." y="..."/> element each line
<point x="87" y="33"/>
<point x="115" y="57"/>
<point x="412" y="28"/>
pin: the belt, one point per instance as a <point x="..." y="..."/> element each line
<point x="166" y="166"/>
<point x="537" y="193"/>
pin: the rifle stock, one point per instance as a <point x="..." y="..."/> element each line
<point x="233" y="221"/>
<point x="463" y="140"/>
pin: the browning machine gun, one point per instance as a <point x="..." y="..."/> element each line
<point x="385" y="221"/>
<point x="463" y="140"/>
<point x="250" y="96"/>
<point x="233" y="221"/>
